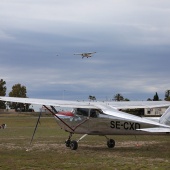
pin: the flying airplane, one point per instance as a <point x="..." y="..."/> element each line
<point x="102" y="118"/>
<point x="87" y="55"/>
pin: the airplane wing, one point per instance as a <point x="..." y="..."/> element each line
<point x="86" y="104"/>
<point x="108" y="108"/>
<point x="89" y="53"/>
<point x="48" y="102"/>
<point x="78" y="54"/>
<point x="138" y="104"/>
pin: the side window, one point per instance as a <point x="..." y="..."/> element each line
<point x="95" y="113"/>
<point x="83" y="112"/>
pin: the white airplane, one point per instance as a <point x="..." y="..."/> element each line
<point x="102" y="118"/>
<point x="87" y="55"/>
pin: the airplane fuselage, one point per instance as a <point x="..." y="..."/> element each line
<point x="100" y="124"/>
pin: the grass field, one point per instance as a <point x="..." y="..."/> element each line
<point x="48" y="150"/>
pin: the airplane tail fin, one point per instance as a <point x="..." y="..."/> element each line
<point x="165" y="118"/>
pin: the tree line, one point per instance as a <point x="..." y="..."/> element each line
<point x="20" y="91"/>
<point x="17" y="91"/>
<point x="120" y="97"/>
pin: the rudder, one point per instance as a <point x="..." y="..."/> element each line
<point x="165" y="118"/>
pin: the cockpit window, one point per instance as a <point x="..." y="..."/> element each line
<point x="83" y="112"/>
<point x="95" y="113"/>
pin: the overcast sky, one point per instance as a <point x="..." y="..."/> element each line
<point x="38" y="39"/>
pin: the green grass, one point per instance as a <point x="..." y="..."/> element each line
<point x="48" y="150"/>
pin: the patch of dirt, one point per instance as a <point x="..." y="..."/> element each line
<point x="135" y="143"/>
<point x="48" y="146"/>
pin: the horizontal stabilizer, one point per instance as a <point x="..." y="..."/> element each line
<point x="156" y="130"/>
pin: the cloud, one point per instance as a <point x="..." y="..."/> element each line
<point x="131" y="38"/>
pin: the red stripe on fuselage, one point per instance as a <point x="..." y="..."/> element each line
<point x="65" y="113"/>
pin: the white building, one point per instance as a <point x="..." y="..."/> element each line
<point x="154" y="111"/>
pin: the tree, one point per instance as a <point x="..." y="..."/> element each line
<point x="2" y="93"/>
<point x="126" y="99"/>
<point x="92" y="97"/>
<point x="167" y="95"/>
<point x="156" y="97"/>
<point x="149" y="99"/>
<point x="118" y="97"/>
<point x="19" y="91"/>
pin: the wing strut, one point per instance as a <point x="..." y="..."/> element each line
<point x="38" y="121"/>
<point x="54" y="110"/>
<point x="58" y="118"/>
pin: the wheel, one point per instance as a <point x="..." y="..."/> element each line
<point x="67" y="142"/>
<point x="110" y="143"/>
<point x="73" y="145"/>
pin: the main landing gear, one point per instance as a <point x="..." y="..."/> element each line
<point x="74" y="144"/>
<point x="110" y="143"/>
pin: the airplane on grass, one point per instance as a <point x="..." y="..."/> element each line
<point x="101" y="118"/>
<point x="87" y="55"/>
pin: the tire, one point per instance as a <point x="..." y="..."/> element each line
<point x="73" y="145"/>
<point x="111" y="143"/>
<point x="67" y="142"/>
